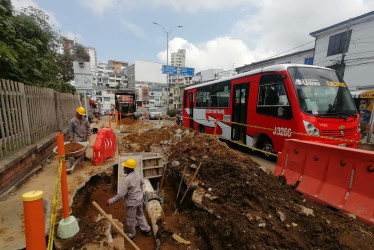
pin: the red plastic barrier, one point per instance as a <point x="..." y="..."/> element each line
<point x="314" y="173"/>
<point x="292" y="161"/>
<point x="331" y="175"/>
<point x="361" y="196"/>
<point x="105" y="145"/>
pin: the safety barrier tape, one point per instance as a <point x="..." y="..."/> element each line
<point x="55" y="205"/>
<point x="253" y="148"/>
<point x="291" y="132"/>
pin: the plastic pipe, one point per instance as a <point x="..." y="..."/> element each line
<point x="116" y="117"/>
<point x="34" y="220"/>
<point x="64" y="183"/>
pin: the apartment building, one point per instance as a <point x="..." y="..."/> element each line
<point x="348" y="48"/>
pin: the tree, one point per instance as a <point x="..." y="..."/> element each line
<point x="29" y="49"/>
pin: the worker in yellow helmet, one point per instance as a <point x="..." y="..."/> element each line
<point x="131" y="190"/>
<point x="79" y="127"/>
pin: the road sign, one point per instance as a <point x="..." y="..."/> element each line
<point x="170" y="70"/>
<point x="186" y="71"/>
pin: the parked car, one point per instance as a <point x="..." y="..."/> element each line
<point x="155" y="114"/>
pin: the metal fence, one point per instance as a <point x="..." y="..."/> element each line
<point x="28" y="114"/>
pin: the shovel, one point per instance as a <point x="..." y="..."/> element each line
<point x="180" y="184"/>
<point x="189" y="185"/>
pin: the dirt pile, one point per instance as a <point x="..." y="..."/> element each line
<point x="73" y="147"/>
<point x="144" y="141"/>
<point x="238" y="206"/>
<point x="130" y="125"/>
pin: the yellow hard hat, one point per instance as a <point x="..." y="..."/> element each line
<point x="81" y="111"/>
<point x="113" y="104"/>
<point x="96" y="103"/>
<point x="130" y="163"/>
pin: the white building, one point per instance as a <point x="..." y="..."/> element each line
<point x="300" y="57"/>
<point x="178" y="58"/>
<point x="93" y="58"/>
<point x="348" y="47"/>
<point x="142" y="75"/>
<point x="106" y="82"/>
<point x="212" y="74"/>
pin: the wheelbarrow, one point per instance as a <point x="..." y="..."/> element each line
<point x="74" y="158"/>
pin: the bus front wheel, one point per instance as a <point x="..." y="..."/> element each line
<point x="267" y="146"/>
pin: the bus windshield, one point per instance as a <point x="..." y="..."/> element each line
<point x="322" y="92"/>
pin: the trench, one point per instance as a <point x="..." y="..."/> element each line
<point x="99" y="232"/>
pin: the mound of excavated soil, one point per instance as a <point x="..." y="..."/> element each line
<point x="232" y="203"/>
<point x="142" y="142"/>
<point x="73" y="147"/>
<point x="236" y="205"/>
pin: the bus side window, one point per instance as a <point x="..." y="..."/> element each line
<point x="273" y="100"/>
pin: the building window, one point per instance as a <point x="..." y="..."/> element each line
<point x="339" y="43"/>
<point x="308" y="61"/>
<point x="106" y="99"/>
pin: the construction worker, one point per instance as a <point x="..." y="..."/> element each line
<point x="131" y="191"/>
<point x="112" y="110"/>
<point x="79" y="128"/>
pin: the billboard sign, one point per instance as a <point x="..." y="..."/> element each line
<point x="187" y="71"/>
<point x="170" y="70"/>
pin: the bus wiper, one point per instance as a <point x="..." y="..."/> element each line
<point x="344" y="114"/>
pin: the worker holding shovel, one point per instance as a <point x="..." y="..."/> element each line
<point x="131" y="191"/>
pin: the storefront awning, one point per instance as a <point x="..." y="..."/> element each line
<point x="363" y="93"/>
<point x="367" y="94"/>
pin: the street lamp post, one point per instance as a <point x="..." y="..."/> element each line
<point x="167" y="33"/>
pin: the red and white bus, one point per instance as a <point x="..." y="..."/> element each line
<point x="285" y="98"/>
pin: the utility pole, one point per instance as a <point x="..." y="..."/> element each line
<point x="346" y="44"/>
<point x="167" y="33"/>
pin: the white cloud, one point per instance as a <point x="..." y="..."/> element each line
<point x="101" y="6"/>
<point x="73" y="36"/>
<point x="20" y="4"/>
<point x="282" y="25"/>
<point x="220" y="53"/>
<point x="278" y="26"/>
<point x="197" y="5"/>
<point x="134" y="29"/>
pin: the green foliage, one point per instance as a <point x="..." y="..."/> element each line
<point x="79" y="53"/>
<point x="29" y="50"/>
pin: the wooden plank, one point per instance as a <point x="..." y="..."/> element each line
<point x="9" y="116"/>
<point x="14" y="110"/>
<point x="24" y="113"/>
<point x="31" y="110"/>
<point x="4" y="146"/>
<point x="17" y="93"/>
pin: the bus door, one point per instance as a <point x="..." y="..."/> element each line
<point x="239" y="111"/>
<point x="191" y="102"/>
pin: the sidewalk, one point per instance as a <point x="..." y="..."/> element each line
<point x="11" y="215"/>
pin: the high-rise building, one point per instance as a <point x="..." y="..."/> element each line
<point x="178" y="58"/>
<point x="93" y="58"/>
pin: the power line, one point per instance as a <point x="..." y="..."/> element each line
<point x="287" y="51"/>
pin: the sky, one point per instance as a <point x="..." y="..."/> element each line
<point x="217" y="34"/>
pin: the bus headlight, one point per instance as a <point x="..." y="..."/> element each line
<point x="310" y="128"/>
<point x="359" y="128"/>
